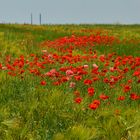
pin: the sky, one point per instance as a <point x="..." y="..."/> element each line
<point x="70" y="11"/>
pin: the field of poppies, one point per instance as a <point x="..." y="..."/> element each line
<point x="69" y="82"/>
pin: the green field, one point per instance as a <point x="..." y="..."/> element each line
<point x="69" y="82"/>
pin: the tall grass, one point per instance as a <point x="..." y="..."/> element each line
<point x="29" y="111"/>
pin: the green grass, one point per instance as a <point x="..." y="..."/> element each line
<point x="29" y="111"/>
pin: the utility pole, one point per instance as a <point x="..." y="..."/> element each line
<point x="31" y="19"/>
<point x="40" y="19"/>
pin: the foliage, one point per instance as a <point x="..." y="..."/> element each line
<point x="69" y="82"/>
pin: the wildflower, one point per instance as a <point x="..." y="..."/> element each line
<point x="106" y="80"/>
<point x="44" y="51"/>
<point x="4" y="68"/>
<point x="72" y="84"/>
<point x="104" y="97"/>
<point x="21" y="71"/>
<point x="78" y="100"/>
<point x="91" y="91"/>
<point x="93" y="106"/>
<point x="126" y="88"/>
<point x="57" y="83"/>
<point x="78" y="77"/>
<point x="95" y="79"/>
<point x="129" y="81"/>
<point x="136" y="73"/>
<point x="65" y="79"/>
<point x="32" y="55"/>
<point x="111" y="69"/>
<point x="52" y="73"/>
<point x="85" y="66"/>
<point x="43" y="83"/>
<point x="95" y="71"/>
<point x="121" y="98"/>
<point x="0" y="66"/>
<point x="95" y="66"/>
<point x="125" y="70"/>
<point x="134" y="96"/>
<point x="50" y="56"/>
<point x="96" y="102"/>
<point x="69" y="73"/>
<point x="87" y="82"/>
<point x="102" y="58"/>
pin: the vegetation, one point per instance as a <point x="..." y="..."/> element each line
<point x="69" y="82"/>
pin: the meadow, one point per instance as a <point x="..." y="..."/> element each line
<point x="69" y="82"/>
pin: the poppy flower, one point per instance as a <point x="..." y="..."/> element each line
<point x="136" y="73"/>
<point x="134" y="96"/>
<point x="121" y="98"/>
<point x="72" y="84"/>
<point x="43" y="83"/>
<point x="65" y="78"/>
<point x="95" y="66"/>
<point x="0" y="66"/>
<point x="102" y="58"/>
<point x="93" y="106"/>
<point x="95" y="79"/>
<point x="57" y="83"/>
<point x="106" y="80"/>
<point x="85" y="66"/>
<point x="78" y="77"/>
<point x="96" y="102"/>
<point x="69" y="73"/>
<point x="87" y="82"/>
<point x="104" y="97"/>
<point x="78" y="100"/>
<point x="126" y="88"/>
<point x="91" y="91"/>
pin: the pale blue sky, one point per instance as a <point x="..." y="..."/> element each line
<point x="71" y="11"/>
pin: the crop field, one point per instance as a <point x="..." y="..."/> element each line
<point x="69" y="82"/>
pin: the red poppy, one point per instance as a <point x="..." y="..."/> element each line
<point x="126" y="88"/>
<point x="72" y="84"/>
<point x="136" y="73"/>
<point x="87" y="82"/>
<point x="0" y="66"/>
<point x="69" y="73"/>
<point x="78" y="100"/>
<point x="91" y="91"/>
<point x="96" y="102"/>
<point x="125" y="70"/>
<point x="43" y="83"/>
<point x="104" y="97"/>
<point x="95" y="79"/>
<point x="93" y="106"/>
<point x="106" y="80"/>
<point x="78" y="77"/>
<point x="65" y="79"/>
<point x="102" y="58"/>
<point x="57" y="83"/>
<point x="121" y="98"/>
<point x="134" y="96"/>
